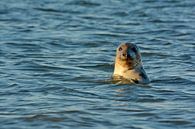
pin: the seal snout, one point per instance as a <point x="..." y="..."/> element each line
<point x="123" y="56"/>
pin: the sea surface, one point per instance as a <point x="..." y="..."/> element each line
<point x="57" y="59"/>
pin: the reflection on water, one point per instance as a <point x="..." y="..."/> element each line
<point x="56" y="61"/>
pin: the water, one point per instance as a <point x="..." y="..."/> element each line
<point x="56" y="60"/>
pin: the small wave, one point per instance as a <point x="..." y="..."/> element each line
<point x="48" y="10"/>
<point x="155" y="54"/>
<point x="43" y="117"/>
<point x="121" y="14"/>
<point x="109" y="34"/>
<point x="97" y="18"/>
<point x="150" y="100"/>
<point x="98" y="66"/>
<point x="176" y="121"/>
<point x="172" y="80"/>
<point x="84" y="3"/>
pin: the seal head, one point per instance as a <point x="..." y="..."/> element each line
<point x="128" y="64"/>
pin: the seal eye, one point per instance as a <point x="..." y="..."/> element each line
<point x="120" y="49"/>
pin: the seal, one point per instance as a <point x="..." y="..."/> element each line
<point x="128" y="64"/>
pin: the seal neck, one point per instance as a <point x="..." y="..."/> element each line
<point x="121" y="67"/>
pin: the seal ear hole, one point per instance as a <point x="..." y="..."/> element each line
<point x="120" y="49"/>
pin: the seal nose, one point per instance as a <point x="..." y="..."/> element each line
<point x="124" y="54"/>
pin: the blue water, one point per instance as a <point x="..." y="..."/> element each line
<point x="57" y="56"/>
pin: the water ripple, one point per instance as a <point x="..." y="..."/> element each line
<point x="57" y="59"/>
